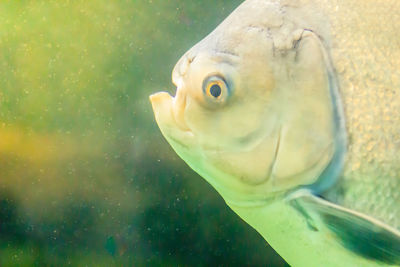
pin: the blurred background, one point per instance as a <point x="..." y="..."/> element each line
<point x="86" y="179"/>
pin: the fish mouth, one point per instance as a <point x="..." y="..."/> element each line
<point x="163" y="108"/>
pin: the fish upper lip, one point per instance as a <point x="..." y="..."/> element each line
<point x="154" y="98"/>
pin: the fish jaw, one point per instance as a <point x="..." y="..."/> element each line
<point x="185" y="143"/>
<point x="176" y="133"/>
<point x="162" y="108"/>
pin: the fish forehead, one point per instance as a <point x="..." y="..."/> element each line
<point x="251" y="22"/>
<point x="228" y="43"/>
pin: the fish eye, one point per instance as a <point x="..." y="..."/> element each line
<point x="215" y="88"/>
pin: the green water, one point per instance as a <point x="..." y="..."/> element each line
<point x="86" y="178"/>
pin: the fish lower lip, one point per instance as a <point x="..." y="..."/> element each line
<point x="158" y="100"/>
<point x="156" y="97"/>
<point x="162" y="103"/>
<point x="162" y="107"/>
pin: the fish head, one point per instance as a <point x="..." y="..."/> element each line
<point x="246" y="116"/>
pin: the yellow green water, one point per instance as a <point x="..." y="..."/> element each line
<point x="86" y="178"/>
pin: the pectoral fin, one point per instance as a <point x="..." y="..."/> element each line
<point x="357" y="232"/>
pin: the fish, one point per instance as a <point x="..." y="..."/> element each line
<point x="290" y="109"/>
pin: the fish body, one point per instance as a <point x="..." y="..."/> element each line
<point x="291" y="111"/>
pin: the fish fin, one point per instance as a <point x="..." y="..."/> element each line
<point x="357" y="232"/>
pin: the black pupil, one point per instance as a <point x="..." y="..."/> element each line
<point x="215" y="90"/>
